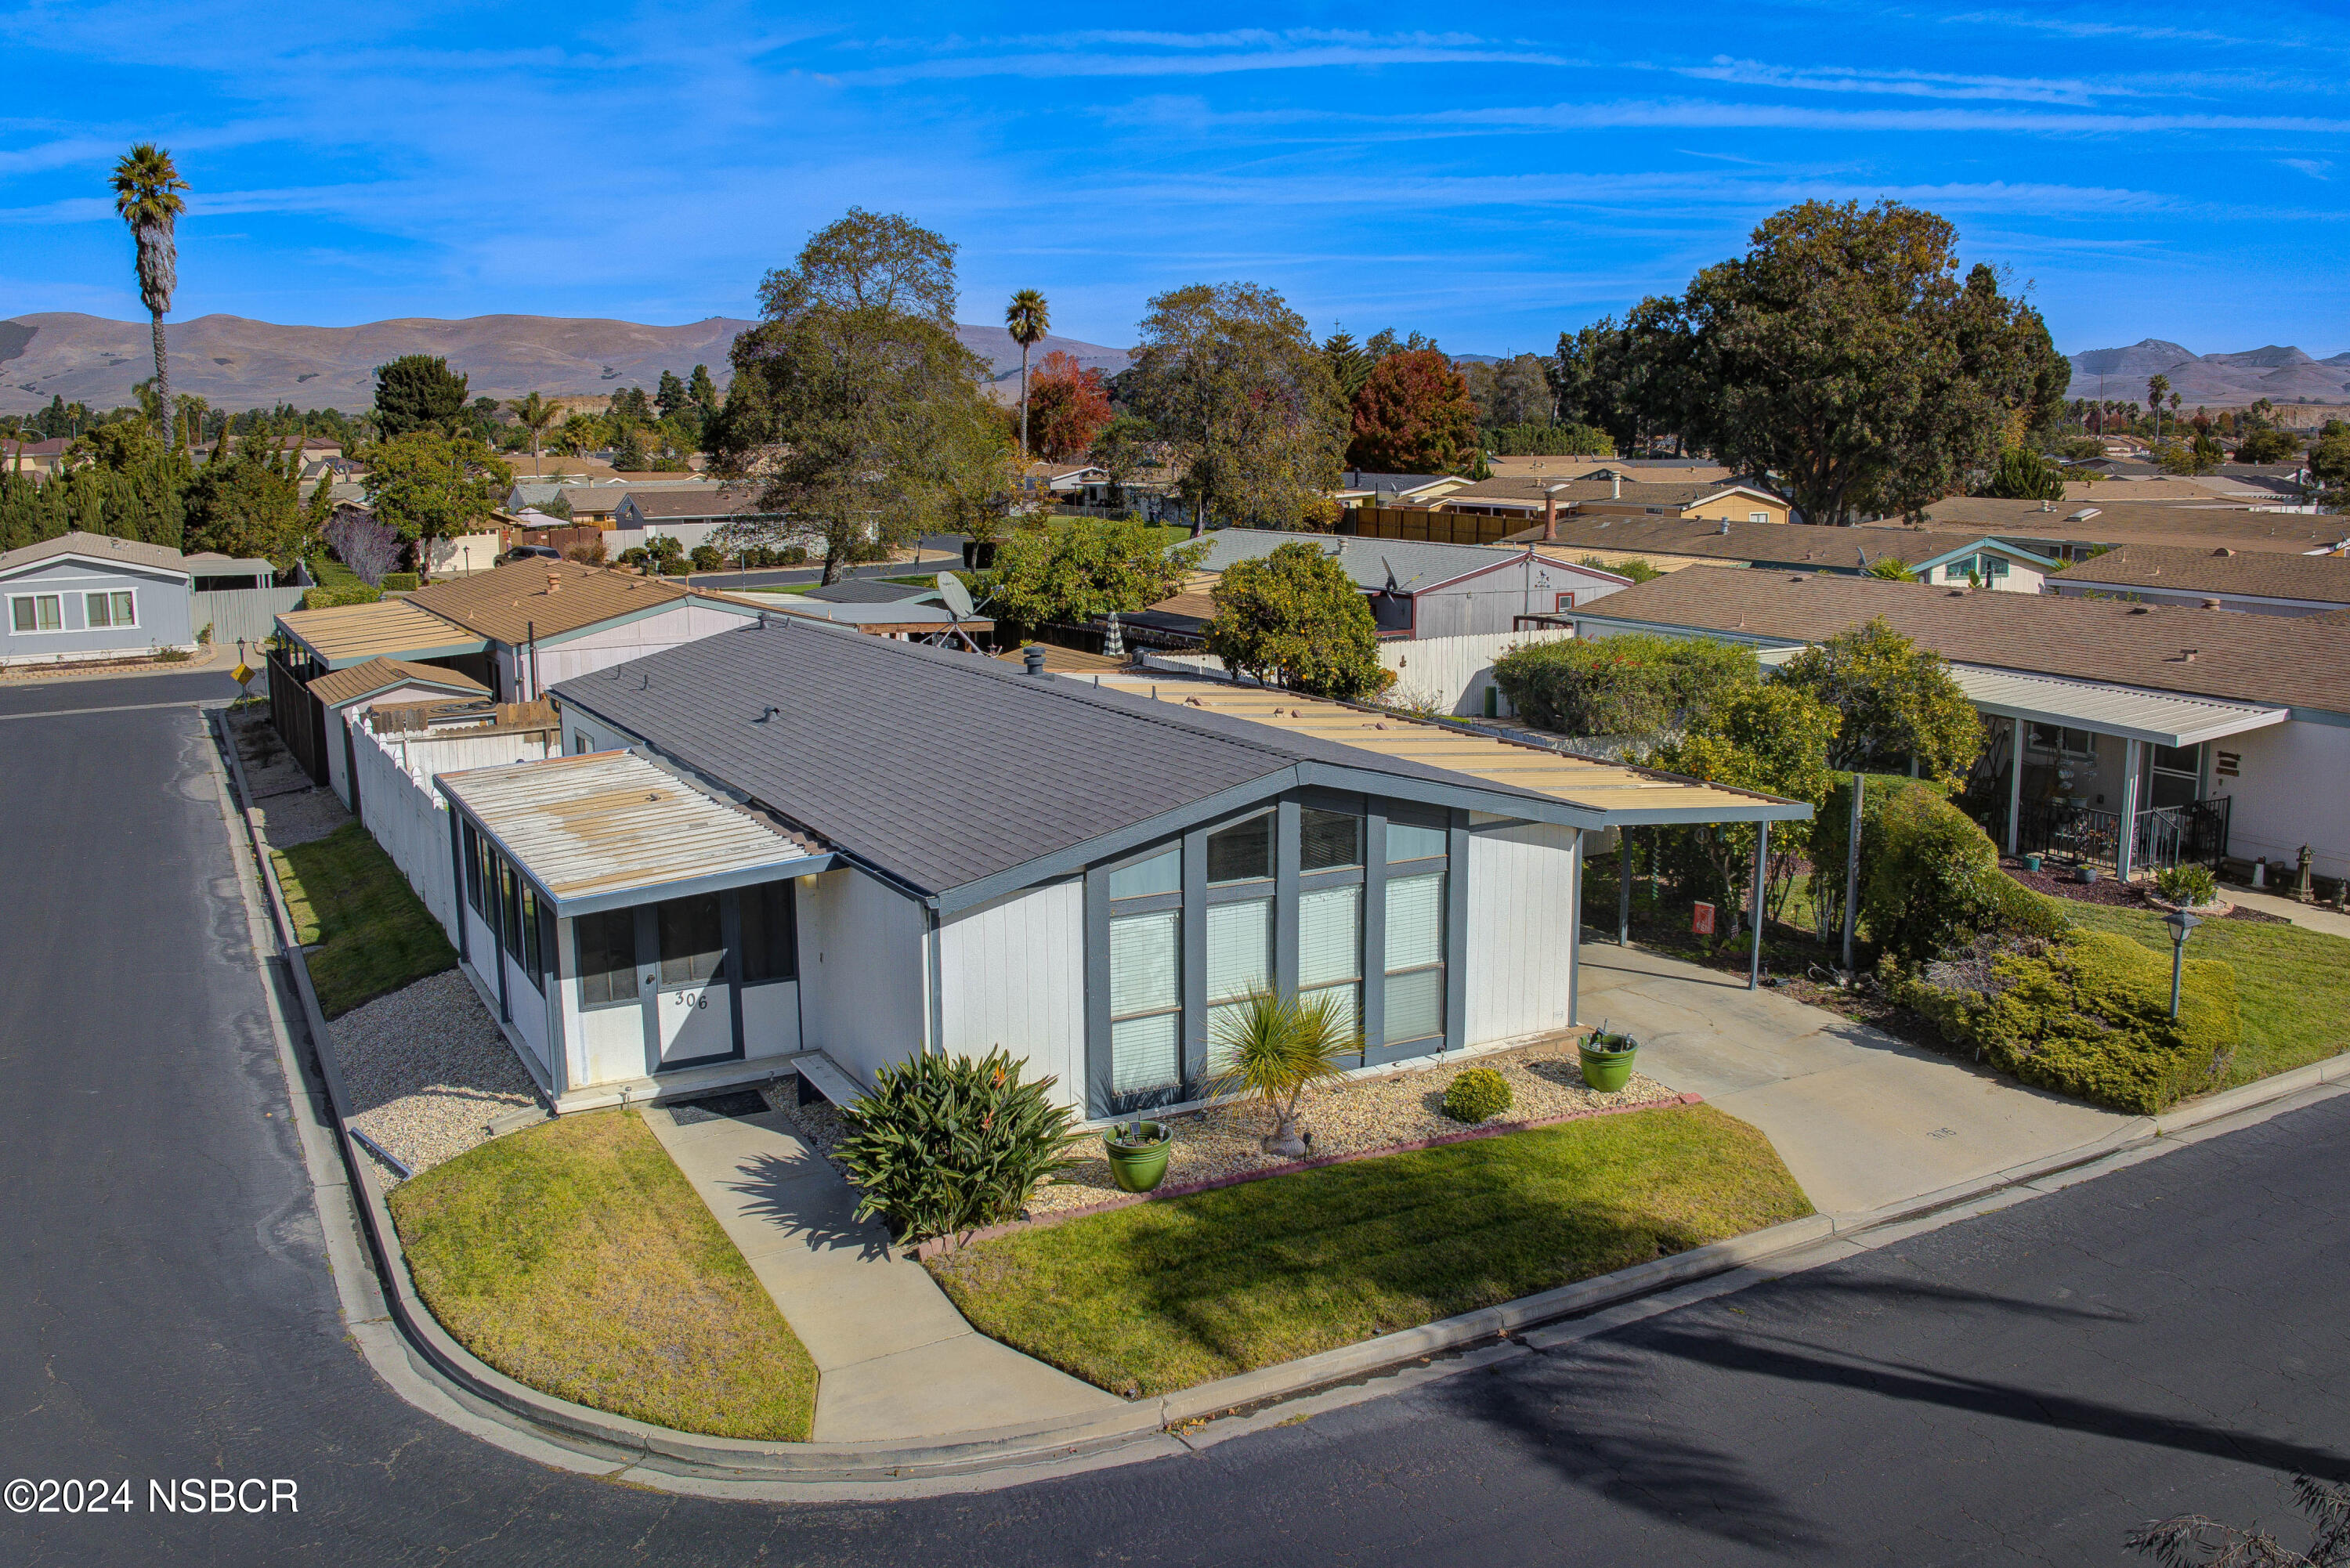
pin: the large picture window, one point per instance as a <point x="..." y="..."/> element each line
<point x="36" y="612"/>
<point x="110" y="609"/>
<point x="1145" y="1001"/>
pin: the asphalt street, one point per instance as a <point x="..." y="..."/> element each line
<point x="2024" y="1386"/>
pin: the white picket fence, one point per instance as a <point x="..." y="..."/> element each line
<point x="1450" y="674"/>
<point x="407" y="815"/>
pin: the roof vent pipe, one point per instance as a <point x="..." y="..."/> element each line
<point x="1615" y="487"/>
<point x="1033" y="657"/>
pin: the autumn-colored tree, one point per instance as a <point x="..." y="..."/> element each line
<point x="1068" y="405"/>
<point x="1414" y="415"/>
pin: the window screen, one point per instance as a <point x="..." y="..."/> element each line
<point x="606" y="944"/>
<point x="473" y="881"/>
<point x="108" y="609"/>
<point x="510" y="906"/>
<point x="1159" y="874"/>
<point x="690" y="948"/>
<point x="1242" y="852"/>
<point x="1145" y="1001"/>
<point x="1328" y="840"/>
<point x="768" y="950"/>
<point x="1407" y="841"/>
<point x="37" y="612"/>
<point x="533" y="966"/>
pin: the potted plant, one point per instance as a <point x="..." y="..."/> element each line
<point x="1607" y="1059"/>
<point x="1276" y="1047"/>
<point x="1137" y="1154"/>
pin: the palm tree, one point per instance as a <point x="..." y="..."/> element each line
<point x="147" y="197"/>
<point x="536" y="414"/>
<point x="1028" y="318"/>
<point x="2155" y="387"/>
<point x="1276" y="1047"/>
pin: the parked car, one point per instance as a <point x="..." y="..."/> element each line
<point x="531" y="552"/>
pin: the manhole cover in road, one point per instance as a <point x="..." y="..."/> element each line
<point x="739" y="1102"/>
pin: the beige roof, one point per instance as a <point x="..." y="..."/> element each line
<point x="2293" y="533"/>
<point x="603" y="830"/>
<point x="711" y="502"/>
<point x="1532" y="489"/>
<point x="2290" y="660"/>
<point x="1625" y="793"/>
<point x="2259" y="573"/>
<point x="393" y="628"/>
<point x="102" y="546"/>
<point x="355" y="682"/>
<point x="542" y="597"/>
<point x="1793" y="545"/>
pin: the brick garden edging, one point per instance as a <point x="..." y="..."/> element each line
<point x="939" y="1245"/>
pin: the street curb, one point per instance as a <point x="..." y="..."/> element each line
<point x="594" y="1440"/>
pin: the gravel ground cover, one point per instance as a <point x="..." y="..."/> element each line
<point x="1355" y="1117"/>
<point x="425" y="1068"/>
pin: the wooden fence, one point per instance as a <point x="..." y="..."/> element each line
<point x="1435" y="527"/>
<point x="242" y="615"/>
<point x="299" y="717"/>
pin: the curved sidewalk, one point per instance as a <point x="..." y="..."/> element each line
<point x="895" y="1361"/>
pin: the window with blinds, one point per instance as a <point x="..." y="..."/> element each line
<point x="1145" y="1001"/>
<point x="1240" y="958"/>
<point x="1330" y="950"/>
<point x="1415" y="956"/>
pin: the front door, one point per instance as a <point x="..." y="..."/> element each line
<point x="693" y="1000"/>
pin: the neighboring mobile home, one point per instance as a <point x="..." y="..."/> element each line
<point x="1420" y="590"/>
<point x="85" y="596"/>
<point x="345" y="695"/>
<point x="797" y="839"/>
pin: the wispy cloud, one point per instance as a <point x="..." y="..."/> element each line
<point x="2315" y="167"/>
<point x="1898" y="83"/>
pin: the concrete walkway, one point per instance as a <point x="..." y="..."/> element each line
<point x="894" y="1359"/>
<point x="2316" y="917"/>
<point x="1861" y="1118"/>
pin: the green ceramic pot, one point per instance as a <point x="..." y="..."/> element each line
<point x="1608" y="1071"/>
<point x="1138" y="1170"/>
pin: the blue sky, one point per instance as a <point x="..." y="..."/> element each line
<point x="1491" y="175"/>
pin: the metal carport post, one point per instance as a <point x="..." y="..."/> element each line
<point x="1762" y="854"/>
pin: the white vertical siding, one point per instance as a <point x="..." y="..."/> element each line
<point x="771" y="1019"/>
<point x="1523" y="892"/>
<point x="2289" y="792"/>
<point x="1450" y="673"/>
<point x="606" y="646"/>
<point x="528" y="1008"/>
<point x="1013" y="973"/>
<point x="862" y="969"/>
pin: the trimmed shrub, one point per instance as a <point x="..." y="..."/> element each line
<point x="2086" y="1014"/>
<point x="400" y="582"/>
<point x="1477" y="1095"/>
<point x="1633" y="686"/>
<point x="327" y="598"/>
<point x="944" y="1145"/>
<point x="2189" y="884"/>
<point x="1930" y="877"/>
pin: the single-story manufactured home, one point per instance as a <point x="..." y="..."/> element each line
<point x="85" y="596"/>
<point x="2260" y="582"/>
<point x="345" y="695"/>
<point x="1669" y="543"/>
<point x="2131" y="735"/>
<point x="1419" y="590"/>
<point x="796" y="849"/>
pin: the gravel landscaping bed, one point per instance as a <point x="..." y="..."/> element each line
<point x="1355" y="1116"/>
<point x="426" y="1068"/>
<point x="2058" y="883"/>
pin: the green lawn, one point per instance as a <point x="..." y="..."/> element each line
<point x="576" y="1258"/>
<point x="373" y="934"/>
<point x="2293" y="984"/>
<point x="1166" y="1294"/>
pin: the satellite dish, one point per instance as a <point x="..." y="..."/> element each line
<point x="957" y="597"/>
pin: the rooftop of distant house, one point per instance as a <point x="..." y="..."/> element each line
<point x="2252" y="574"/>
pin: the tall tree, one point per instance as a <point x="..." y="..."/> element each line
<point x="248" y="504"/>
<point x="853" y="397"/>
<point x="430" y="485"/>
<point x="1350" y="362"/>
<point x="1244" y="397"/>
<point x="1027" y="318"/>
<point x="1071" y="405"/>
<point x="2155" y="385"/>
<point x="536" y="414"/>
<point x="1844" y="360"/>
<point x="1896" y="702"/>
<point x="147" y="188"/>
<point x="702" y="390"/>
<point x="670" y="396"/>
<point x="417" y="391"/>
<point x="1296" y="617"/>
<point x="1414" y="416"/>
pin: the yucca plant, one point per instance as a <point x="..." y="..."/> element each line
<point x="1275" y="1048"/>
<point x="945" y="1145"/>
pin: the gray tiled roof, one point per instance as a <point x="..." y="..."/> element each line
<point x="869" y="591"/>
<point x="1415" y="563"/>
<point x="940" y="768"/>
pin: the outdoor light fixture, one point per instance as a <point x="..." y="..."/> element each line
<point x="2180" y="922"/>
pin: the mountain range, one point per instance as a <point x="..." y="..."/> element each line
<point x="235" y="363"/>
<point x="2215" y="380"/>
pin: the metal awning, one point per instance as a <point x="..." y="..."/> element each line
<point x="607" y="830"/>
<point x="2162" y="718"/>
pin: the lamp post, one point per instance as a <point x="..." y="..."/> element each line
<point x="2180" y="922"/>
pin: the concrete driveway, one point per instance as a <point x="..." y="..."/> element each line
<point x="1861" y="1118"/>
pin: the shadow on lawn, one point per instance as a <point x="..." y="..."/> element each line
<point x="805" y="1198"/>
